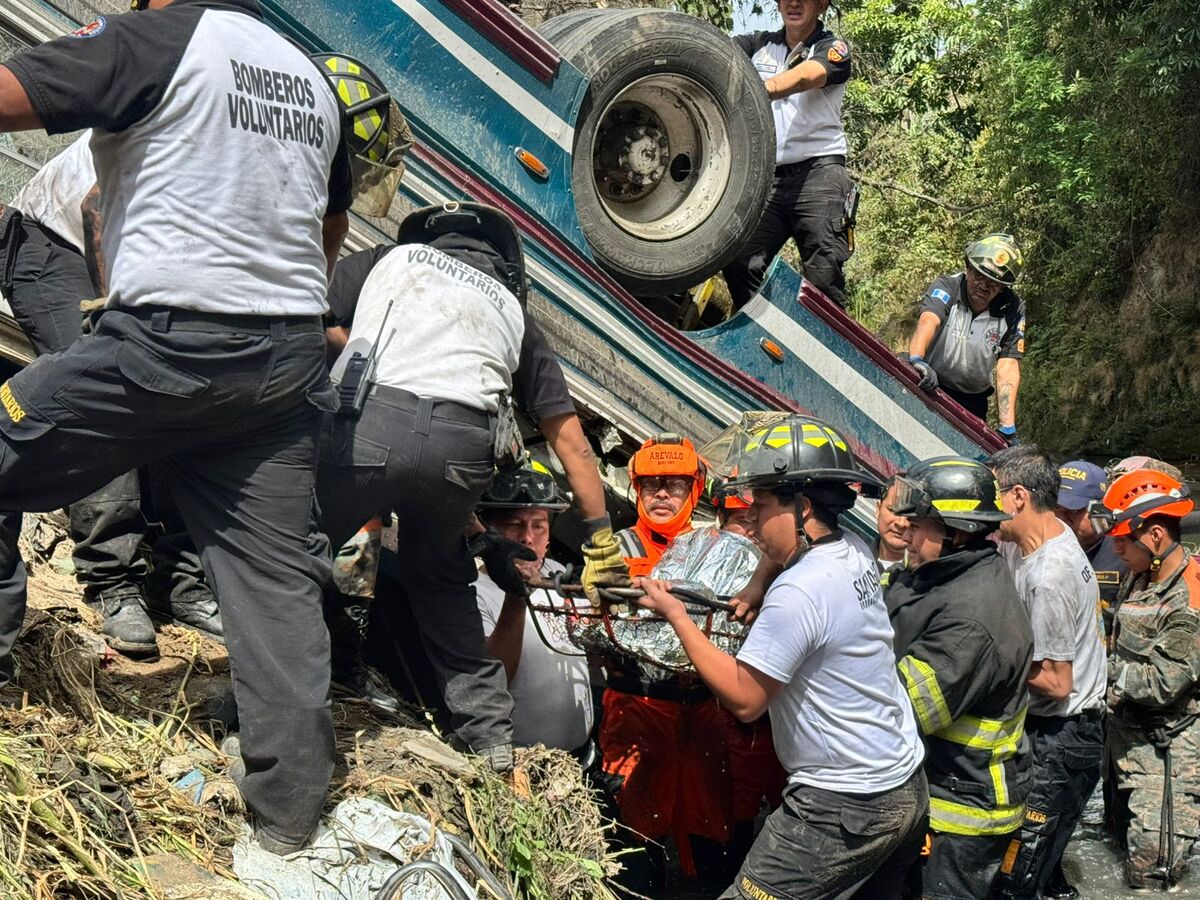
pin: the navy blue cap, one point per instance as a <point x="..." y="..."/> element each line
<point x="1082" y="482"/>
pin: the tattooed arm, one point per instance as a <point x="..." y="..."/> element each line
<point x="92" y="251"/>
<point x="1008" y="380"/>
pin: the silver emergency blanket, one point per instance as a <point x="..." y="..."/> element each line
<point x="353" y="851"/>
<point x="707" y="560"/>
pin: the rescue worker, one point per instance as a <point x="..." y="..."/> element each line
<point x="819" y="658"/>
<point x="892" y="549"/>
<point x="1083" y="483"/>
<point x="551" y="691"/>
<point x="964" y="645"/>
<point x="971" y="323"/>
<point x="212" y="363"/>
<point x="662" y="746"/>
<point x="442" y="316"/>
<point x="56" y="265"/>
<point x="804" y="67"/>
<point x="733" y="512"/>
<point x="1056" y="583"/>
<point x="1153" y="745"/>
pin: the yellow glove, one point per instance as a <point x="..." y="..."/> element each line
<point x="604" y="565"/>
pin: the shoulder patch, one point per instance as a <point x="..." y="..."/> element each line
<point x="939" y="294"/>
<point x="90" y="30"/>
<point x="838" y="52"/>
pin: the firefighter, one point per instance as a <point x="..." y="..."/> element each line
<point x="210" y="353"/>
<point x="734" y="511"/>
<point x="805" y="68"/>
<point x="423" y="444"/>
<point x="1082" y="483"/>
<point x="971" y="323"/>
<point x="1153" y="742"/>
<point x="964" y="645"/>
<point x="668" y="479"/>
<point x="819" y="657"/>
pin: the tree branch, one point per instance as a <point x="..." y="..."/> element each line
<point x="899" y="188"/>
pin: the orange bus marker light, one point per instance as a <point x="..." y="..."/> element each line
<point x="772" y="349"/>
<point x="532" y="163"/>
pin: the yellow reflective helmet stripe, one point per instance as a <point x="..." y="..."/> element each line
<point x="958" y="818"/>
<point x="920" y="681"/>
<point x="956" y="505"/>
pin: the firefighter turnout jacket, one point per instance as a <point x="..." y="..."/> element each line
<point x="964" y="646"/>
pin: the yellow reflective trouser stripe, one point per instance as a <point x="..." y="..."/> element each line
<point x="957" y="818"/>
<point x="926" y="694"/>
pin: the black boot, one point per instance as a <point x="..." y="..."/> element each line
<point x="126" y="627"/>
<point x="346" y="618"/>
<point x="176" y="590"/>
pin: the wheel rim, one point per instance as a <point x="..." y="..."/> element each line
<point x="661" y="158"/>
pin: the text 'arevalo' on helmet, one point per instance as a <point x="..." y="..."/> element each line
<point x="529" y="487"/>
<point x="477" y="220"/>
<point x="996" y="256"/>
<point x="804" y="454"/>
<point x="963" y="493"/>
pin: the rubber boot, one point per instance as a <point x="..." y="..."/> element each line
<point x="126" y="626"/>
<point x="1058" y="887"/>
<point x="346" y="618"/>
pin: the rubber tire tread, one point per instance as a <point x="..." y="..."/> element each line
<point x="614" y="48"/>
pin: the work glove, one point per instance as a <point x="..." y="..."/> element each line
<point x="1009" y="433"/>
<point x="499" y="556"/>
<point x="604" y="565"/>
<point x="929" y="379"/>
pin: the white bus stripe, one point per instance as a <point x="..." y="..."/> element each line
<point x="915" y="437"/>
<point x="538" y="114"/>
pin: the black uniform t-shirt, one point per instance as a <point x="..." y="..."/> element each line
<point x="218" y="146"/>
<point x="539" y="386"/>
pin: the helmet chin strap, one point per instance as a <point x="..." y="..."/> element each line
<point x="1156" y="559"/>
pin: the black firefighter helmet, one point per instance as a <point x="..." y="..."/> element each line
<point x="807" y="456"/>
<point x="962" y="493"/>
<point x="478" y="220"/>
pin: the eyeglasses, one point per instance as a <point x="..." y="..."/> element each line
<point x="1006" y="489"/>
<point x="677" y="485"/>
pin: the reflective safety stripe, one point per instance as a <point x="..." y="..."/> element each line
<point x="926" y="694"/>
<point x="1001" y="736"/>
<point x="957" y="818"/>
<point x="986" y="734"/>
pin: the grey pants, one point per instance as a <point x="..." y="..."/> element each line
<point x="227" y="404"/>
<point x="820" y="844"/>
<point x="428" y="463"/>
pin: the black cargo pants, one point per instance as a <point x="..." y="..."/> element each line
<point x="49" y="279"/>
<point x="807" y="202"/>
<point x="428" y="462"/>
<point x="1067" y="755"/>
<point x="226" y="403"/>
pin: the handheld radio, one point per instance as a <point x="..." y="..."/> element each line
<point x="359" y="375"/>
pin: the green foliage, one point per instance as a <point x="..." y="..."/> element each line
<point x="719" y="12"/>
<point x="1074" y="124"/>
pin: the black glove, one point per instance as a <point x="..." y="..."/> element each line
<point x="499" y="556"/>
<point x="929" y="379"/>
<point x="1009" y="433"/>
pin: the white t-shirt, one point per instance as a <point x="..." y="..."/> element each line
<point x="552" y="696"/>
<point x="1059" y="589"/>
<point x="842" y="721"/>
<point x="453" y="333"/>
<point x="52" y="197"/>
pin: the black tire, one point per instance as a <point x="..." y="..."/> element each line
<point x="709" y="180"/>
